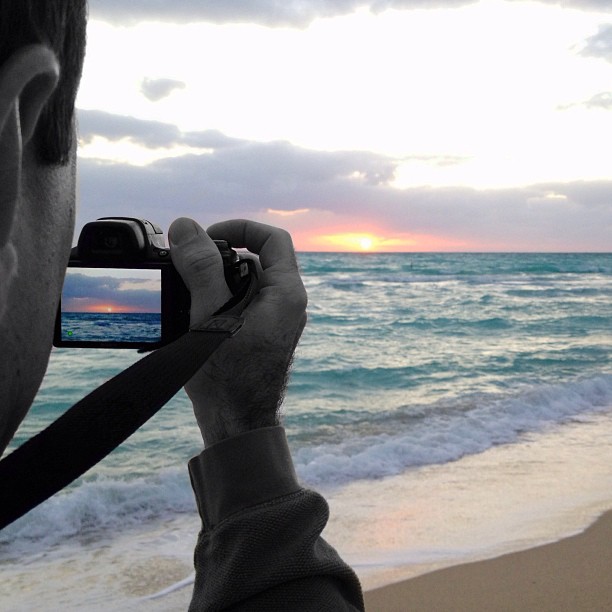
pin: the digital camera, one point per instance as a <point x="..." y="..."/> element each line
<point x="122" y="290"/>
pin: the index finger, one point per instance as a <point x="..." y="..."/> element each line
<point x="276" y="255"/>
<point x="273" y="245"/>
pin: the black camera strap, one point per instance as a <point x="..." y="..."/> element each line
<point x="101" y="421"/>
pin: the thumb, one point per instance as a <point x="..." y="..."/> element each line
<point x="198" y="261"/>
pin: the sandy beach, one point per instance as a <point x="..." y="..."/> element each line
<point x="505" y="540"/>
<point x="571" y="575"/>
<point x="574" y="574"/>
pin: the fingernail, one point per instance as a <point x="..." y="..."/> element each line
<point x="183" y="230"/>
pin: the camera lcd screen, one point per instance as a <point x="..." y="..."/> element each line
<point x="111" y="305"/>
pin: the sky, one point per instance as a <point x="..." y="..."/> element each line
<point x="381" y="125"/>
<point x="111" y="291"/>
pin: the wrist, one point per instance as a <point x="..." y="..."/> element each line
<point x="242" y="472"/>
<point x="219" y="425"/>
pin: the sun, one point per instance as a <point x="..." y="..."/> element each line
<point x="103" y="308"/>
<point x="366" y="243"/>
<point x="350" y="242"/>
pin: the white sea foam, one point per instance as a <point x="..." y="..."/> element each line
<point x="408" y="439"/>
<point x="451" y="432"/>
<point x="98" y="506"/>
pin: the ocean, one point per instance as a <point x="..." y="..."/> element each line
<point x="450" y="407"/>
<point x="111" y="327"/>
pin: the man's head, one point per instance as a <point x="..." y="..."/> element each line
<point x="42" y="46"/>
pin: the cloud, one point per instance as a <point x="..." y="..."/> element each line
<point x="288" y="213"/>
<point x="601" y="100"/>
<point x="295" y="13"/>
<point x="135" y="293"/>
<point x="272" y="13"/>
<point x="600" y="44"/>
<point x="602" y="6"/>
<point x="149" y="134"/>
<point x="438" y="160"/>
<point x="158" y="89"/>
<point x="338" y="190"/>
<point x="251" y="176"/>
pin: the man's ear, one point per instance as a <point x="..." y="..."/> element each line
<point x="27" y="80"/>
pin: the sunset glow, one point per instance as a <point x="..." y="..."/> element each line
<point x="109" y="308"/>
<point x="86" y="305"/>
<point x="366" y="243"/>
<point x="378" y="242"/>
<point x="348" y="242"/>
<point x="436" y="135"/>
<point x="111" y="291"/>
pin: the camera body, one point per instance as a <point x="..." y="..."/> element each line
<point x="122" y="290"/>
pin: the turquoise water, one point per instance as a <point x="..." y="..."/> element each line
<point x="116" y="327"/>
<point x="409" y="362"/>
<point x="432" y="357"/>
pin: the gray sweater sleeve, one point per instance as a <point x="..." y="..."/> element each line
<point x="260" y="546"/>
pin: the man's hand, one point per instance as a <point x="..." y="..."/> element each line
<point x="241" y="386"/>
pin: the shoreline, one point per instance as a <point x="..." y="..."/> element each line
<point x="419" y="535"/>
<point x="570" y="574"/>
<point x="507" y="499"/>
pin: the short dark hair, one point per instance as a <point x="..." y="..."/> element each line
<point x="61" y="25"/>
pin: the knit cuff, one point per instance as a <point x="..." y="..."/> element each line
<point x="241" y="472"/>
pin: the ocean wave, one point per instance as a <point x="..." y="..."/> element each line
<point x="555" y="292"/>
<point x="404" y="439"/>
<point x="328" y="451"/>
<point x="344" y="284"/>
<point x="360" y="280"/>
<point x="457" y="325"/>
<point x="98" y="506"/>
<point x="339" y="379"/>
<point x="369" y="278"/>
<point x="463" y="264"/>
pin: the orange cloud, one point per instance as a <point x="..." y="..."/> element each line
<point x="288" y="213"/>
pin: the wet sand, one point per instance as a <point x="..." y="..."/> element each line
<point x="574" y="574"/>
